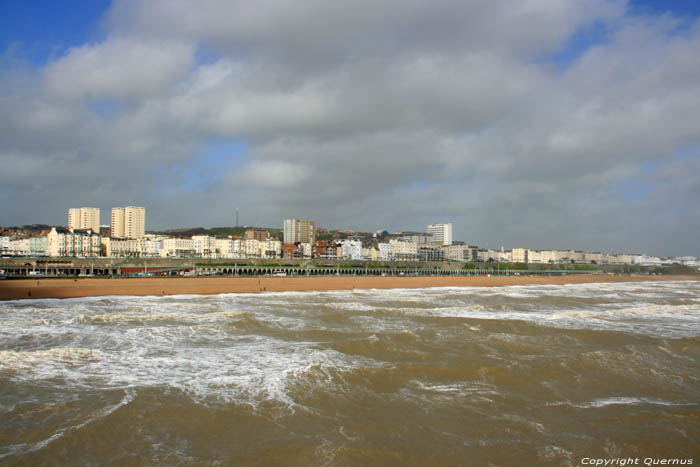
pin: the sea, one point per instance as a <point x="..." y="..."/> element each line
<point x="522" y="375"/>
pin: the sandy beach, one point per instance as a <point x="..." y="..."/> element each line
<point x="91" y="287"/>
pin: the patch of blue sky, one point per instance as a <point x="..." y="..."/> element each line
<point x="634" y="189"/>
<point x="205" y="55"/>
<point x="582" y="40"/>
<point x="598" y="32"/>
<point x="657" y="7"/>
<point x="640" y="187"/>
<point x="209" y="164"/>
<point x="415" y="185"/>
<point x="107" y="109"/>
<point x="42" y="30"/>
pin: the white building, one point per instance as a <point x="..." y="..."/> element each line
<point x="176" y="247"/>
<point x="494" y="255"/>
<point x="441" y="233"/>
<point x="403" y="251"/>
<point x="686" y="260"/>
<point x="463" y="253"/>
<point x="120" y="247"/>
<point x="307" y="250"/>
<point x="4" y="244"/>
<point x="204" y="246"/>
<point x="520" y="255"/>
<point x="271" y="248"/>
<point x="384" y="251"/>
<point x="18" y="247"/>
<point x="72" y="242"/>
<point x="224" y="247"/>
<point x="352" y="249"/>
<point x="151" y="247"/>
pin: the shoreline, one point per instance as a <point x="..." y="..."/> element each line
<point x="18" y="289"/>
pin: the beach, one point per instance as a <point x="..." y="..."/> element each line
<point x="149" y="286"/>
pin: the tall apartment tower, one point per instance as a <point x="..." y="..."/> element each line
<point x="441" y="233"/>
<point x="84" y="218"/>
<point x="303" y="231"/>
<point x="128" y="222"/>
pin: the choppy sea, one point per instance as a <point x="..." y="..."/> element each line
<point x="522" y="375"/>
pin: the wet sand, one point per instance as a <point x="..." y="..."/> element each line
<point x="91" y="287"/>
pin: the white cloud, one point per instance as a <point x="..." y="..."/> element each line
<point x="118" y="68"/>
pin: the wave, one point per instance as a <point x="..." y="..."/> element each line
<point x="25" y="448"/>
<point x="151" y="318"/>
<point x="604" y="402"/>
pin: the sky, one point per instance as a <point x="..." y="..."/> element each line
<point x="525" y="123"/>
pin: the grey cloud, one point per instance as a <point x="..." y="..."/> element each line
<point x="118" y="68"/>
<point x="371" y="115"/>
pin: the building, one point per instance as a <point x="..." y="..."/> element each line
<point x="418" y="238"/>
<point x="430" y="254"/>
<point x="384" y="251"/>
<point x="403" y="251"/>
<point x="19" y="247"/>
<point x="520" y="255"/>
<point x="325" y="249"/>
<point x="204" y="246"/>
<point x="352" y="249"/>
<point x="72" y="242"/>
<point x="271" y="248"/>
<point x="292" y="250"/>
<point x="224" y="248"/>
<point x="299" y="231"/>
<point x="259" y="235"/>
<point x="84" y="218"/>
<point x="461" y="252"/>
<point x="128" y="222"/>
<point x="37" y="244"/>
<point x="177" y="247"/>
<point x="120" y="247"/>
<point x="441" y="233"/>
<point x="370" y="254"/>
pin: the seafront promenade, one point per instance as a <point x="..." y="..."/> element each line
<point x="155" y="286"/>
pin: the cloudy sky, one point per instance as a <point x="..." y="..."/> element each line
<point x="525" y="123"/>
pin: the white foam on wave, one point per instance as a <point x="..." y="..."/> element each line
<point x="149" y="317"/>
<point x="655" y="320"/>
<point x="459" y="387"/>
<point x="604" y="402"/>
<point x="247" y="369"/>
<point x="37" y="360"/>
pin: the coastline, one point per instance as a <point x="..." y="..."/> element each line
<point x="97" y="287"/>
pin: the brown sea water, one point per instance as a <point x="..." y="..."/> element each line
<point x="527" y="375"/>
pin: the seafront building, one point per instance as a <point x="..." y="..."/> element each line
<point x="351" y="249"/>
<point x="62" y="242"/>
<point x="441" y="233"/>
<point x="128" y="239"/>
<point x="402" y="250"/>
<point x="84" y="218"/>
<point x="128" y="222"/>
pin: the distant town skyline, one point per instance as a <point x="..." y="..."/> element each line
<point x="540" y="124"/>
